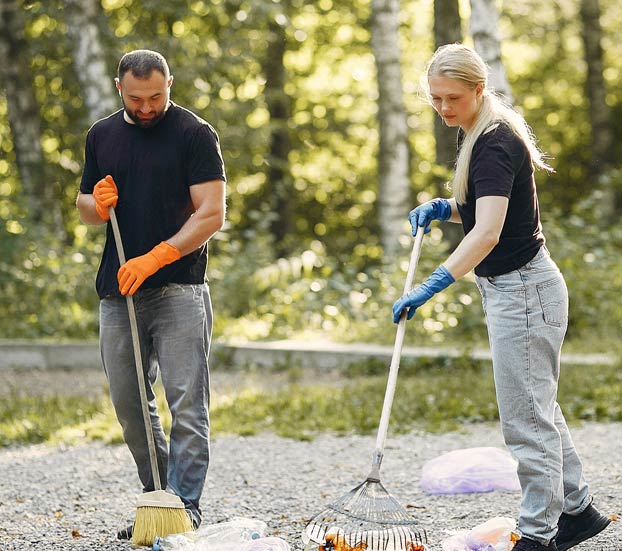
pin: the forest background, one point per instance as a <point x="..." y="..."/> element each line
<point x="328" y="143"/>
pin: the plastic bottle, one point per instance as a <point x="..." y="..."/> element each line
<point x="232" y="532"/>
<point x="264" y="544"/>
<point x="176" y="542"/>
<point x="223" y="536"/>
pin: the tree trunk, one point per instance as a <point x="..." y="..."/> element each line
<point x="486" y="38"/>
<point x="23" y="115"/>
<point x="88" y="56"/>
<point x="393" y="181"/>
<point x="279" y="178"/>
<point x="447" y="30"/>
<point x="599" y="111"/>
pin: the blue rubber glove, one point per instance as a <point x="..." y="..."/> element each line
<point x="436" y="209"/>
<point x="439" y="279"/>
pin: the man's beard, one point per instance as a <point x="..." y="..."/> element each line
<point x="145" y="123"/>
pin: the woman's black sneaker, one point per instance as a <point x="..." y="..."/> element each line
<point x="573" y="529"/>
<point x="526" y="544"/>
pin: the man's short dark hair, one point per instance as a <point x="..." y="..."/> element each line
<point x="142" y="63"/>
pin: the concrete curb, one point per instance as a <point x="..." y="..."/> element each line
<point x="315" y="354"/>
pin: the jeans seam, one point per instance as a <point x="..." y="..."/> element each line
<point x="532" y="407"/>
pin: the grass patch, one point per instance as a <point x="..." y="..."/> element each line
<point x="33" y="419"/>
<point x="432" y="394"/>
<point x="435" y="399"/>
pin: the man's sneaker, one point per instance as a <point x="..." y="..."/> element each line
<point x="573" y="529"/>
<point x="525" y="544"/>
<point x="126" y="533"/>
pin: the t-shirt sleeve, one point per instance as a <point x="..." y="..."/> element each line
<point x="494" y="165"/>
<point x="205" y="161"/>
<point x="91" y="173"/>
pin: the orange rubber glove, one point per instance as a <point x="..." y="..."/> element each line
<point x="106" y="194"/>
<point x="132" y="274"/>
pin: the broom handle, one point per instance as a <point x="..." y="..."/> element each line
<point x="395" y="363"/>
<point x="155" y="470"/>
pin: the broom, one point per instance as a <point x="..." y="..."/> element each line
<point x="368" y="517"/>
<point x="158" y="513"/>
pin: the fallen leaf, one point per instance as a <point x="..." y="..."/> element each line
<point x="412" y="506"/>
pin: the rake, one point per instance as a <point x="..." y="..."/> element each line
<point x="368" y="517"/>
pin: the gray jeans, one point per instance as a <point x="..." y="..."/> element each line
<point x="527" y="317"/>
<point x="174" y="326"/>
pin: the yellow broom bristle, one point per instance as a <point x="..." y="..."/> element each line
<point x="159" y="521"/>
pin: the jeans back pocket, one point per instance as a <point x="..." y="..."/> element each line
<point x="553" y="296"/>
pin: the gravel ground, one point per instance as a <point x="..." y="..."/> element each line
<point x="75" y="498"/>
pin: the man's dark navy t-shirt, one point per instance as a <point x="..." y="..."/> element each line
<point x="501" y="166"/>
<point x="153" y="169"/>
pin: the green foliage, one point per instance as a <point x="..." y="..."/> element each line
<point x="313" y="295"/>
<point x="334" y="282"/>
<point x="44" y="291"/>
<point x="593" y="400"/>
<point x="588" y="250"/>
<point x="555" y="102"/>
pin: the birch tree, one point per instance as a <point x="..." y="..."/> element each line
<point x="487" y="42"/>
<point x="88" y="56"/>
<point x="393" y="181"/>
<point x="23" y="114"/>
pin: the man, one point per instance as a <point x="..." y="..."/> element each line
<point x="161" y="167"/>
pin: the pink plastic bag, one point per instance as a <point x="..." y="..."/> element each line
<point x="470" y="470"/>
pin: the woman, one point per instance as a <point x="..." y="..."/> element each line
<point x="524" y="294"/>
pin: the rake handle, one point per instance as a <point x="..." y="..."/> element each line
<point x="144" y="403"/>
<point x="395" y="364"/>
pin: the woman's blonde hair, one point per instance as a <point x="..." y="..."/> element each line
<point x="460" y="62"/>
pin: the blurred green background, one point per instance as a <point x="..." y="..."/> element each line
<point x="293" y="89"/>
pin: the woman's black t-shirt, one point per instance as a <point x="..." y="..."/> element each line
<point x="153" y="169"/>
<point x="501" y="166"/>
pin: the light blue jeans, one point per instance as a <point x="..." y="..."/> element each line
<point x="527" y="317"/>
<point x="174" y="326"/>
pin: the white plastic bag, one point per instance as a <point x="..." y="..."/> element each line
<point x="181" y="542"/>
<point x="492" y="535"/>
<point x="237" y="534"/>
<point x="470" y="470"/>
